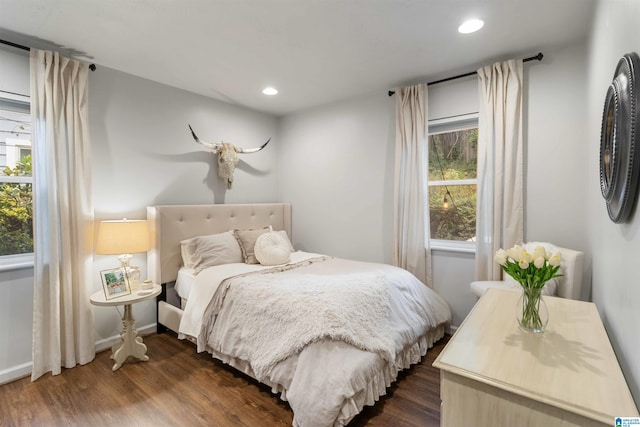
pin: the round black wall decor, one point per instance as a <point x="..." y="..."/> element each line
<point x="619" y="153"/>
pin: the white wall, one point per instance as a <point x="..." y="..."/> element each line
<point x="615" y="248"/>
<point x="16" y="320"/>
<point x="452" y="273"/>
<point x="143" y="154"/>
<point x="15" y="71"/>
<point x="336" y="168"/>
<point x="556" y="152"/>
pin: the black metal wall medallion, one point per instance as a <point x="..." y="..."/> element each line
<point x="619" y="152"/>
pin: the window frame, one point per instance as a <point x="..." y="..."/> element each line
<point x="24" y="260"/>
<point x="443" y="125"/>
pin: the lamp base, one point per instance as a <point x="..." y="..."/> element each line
<point x="133" y="272"/>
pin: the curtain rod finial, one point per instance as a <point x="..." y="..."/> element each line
<point x="391" y="93"/>
<point x="92" y="67"/>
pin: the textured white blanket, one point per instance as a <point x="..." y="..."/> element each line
<point x="280" y="315"/>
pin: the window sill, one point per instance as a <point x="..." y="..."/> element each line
<point x="16" y="262"/>
<point x="453" y="246"/>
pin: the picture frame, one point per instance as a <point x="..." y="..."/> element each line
<point x="115" y="283"/>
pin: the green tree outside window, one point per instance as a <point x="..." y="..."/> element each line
<point x="453" y="157"/>
<point x="16" y="211"/>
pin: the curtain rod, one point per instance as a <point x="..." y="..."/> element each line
<point x="537" y="57"/>
<point x="92" y="67"/>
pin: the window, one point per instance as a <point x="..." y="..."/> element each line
<point x="16" y="209"/>
<point x="453" y="153"/>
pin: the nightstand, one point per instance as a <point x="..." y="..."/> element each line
<point x="130" y="343"/>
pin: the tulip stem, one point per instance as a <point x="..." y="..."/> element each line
<point x="531" y="308"/>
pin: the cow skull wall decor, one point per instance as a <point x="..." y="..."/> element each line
<point x="227" y="156"/>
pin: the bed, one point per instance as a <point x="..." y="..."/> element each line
<point x="328" y="335"/>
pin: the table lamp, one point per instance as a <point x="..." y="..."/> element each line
<point x="123" y="237"/>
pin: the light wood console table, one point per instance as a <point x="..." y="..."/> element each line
<point x="494" y="374"/>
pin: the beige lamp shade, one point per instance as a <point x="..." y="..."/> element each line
<point x="122" y="236"/>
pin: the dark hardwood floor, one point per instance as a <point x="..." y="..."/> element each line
<point x="178" y="387"/>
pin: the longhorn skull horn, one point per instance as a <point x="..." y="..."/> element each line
<point x="212" y="146"/>
<point x="252" y="150"/>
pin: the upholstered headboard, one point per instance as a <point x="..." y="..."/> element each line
<point x="170" y="224"/>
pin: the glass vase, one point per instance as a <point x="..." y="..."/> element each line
<point x="531" y="311"/>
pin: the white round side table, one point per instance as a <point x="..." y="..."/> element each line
<point x="130" y="343"/>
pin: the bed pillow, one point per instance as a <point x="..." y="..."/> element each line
<point x="247" y="241"/>
<point x="207" y="251"/>
<point x="272" y="249"/>
<point x="187" y="247"/>
<point x="284" y="234"/>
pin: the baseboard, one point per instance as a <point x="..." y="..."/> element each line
<point x="24" y="370"/>
<point x="15" y="373"/>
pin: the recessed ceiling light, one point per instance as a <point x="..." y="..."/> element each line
<point x="270" y="91"/>
<point x="470" y="26"/>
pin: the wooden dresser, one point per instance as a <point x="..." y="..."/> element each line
<point x="494" y="374"/>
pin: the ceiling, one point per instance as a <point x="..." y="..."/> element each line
<point x="313" y="51"/>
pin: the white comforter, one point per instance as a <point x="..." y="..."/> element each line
<point x="329" y="381"/>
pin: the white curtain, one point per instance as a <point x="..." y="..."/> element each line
<point x="500" y="210"/>
<point x="63" y="333"/>
<point x="411" y="215"/>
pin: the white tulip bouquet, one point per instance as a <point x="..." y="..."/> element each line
<point x="532" y="270"/>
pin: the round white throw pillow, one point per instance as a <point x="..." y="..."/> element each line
<point x="272" y="249"/>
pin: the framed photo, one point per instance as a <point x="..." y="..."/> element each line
<point x="115" y="283"/>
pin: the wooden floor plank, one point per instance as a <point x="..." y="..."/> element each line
<point x="177" y="386"/>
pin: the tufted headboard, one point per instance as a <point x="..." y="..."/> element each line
<point x="170" y="224"/>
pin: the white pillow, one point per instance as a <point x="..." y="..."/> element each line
<point x="284" y="234"/>
<point x="272" y="249"/>
<point x="207" y="251"/>
<point x="247" y="241"/>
